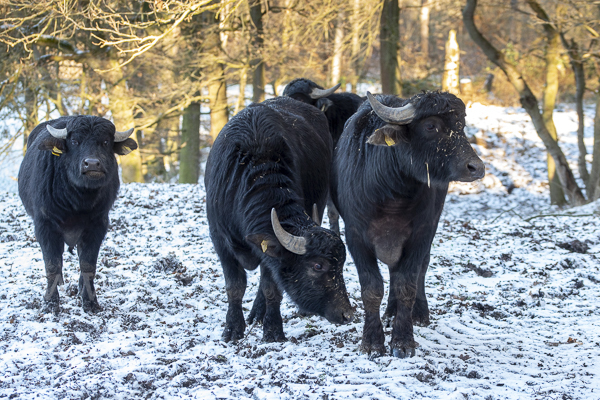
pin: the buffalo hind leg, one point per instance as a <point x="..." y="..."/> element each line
<point x="272" y="322"/>
<point x="88" y="248"/>
<point x="259" y="307"/>
<point x="420" y="311"/>
<point x="52" y="244"/>
<point x="334" y="216"/>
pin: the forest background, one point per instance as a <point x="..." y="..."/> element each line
<point x="165" y="67"/>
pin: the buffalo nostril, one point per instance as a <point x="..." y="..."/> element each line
<point x="91" y="164"/>
<point x="472" y="167"/>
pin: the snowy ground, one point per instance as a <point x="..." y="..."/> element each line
<point x="514" y="295"/>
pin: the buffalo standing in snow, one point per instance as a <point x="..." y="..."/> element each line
<point x="68" y="182"/>
<point x="392" y="167"/>
<point x="267" y="170"/>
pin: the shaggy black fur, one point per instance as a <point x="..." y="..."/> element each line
<point x="68" y="187"/>
<point x="389" y="183"/>
<point x="276" y="154"/>
<point x="338" y="108"/>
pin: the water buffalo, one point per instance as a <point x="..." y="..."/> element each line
<point x="267" y="171"/>
<point x="392" y="167"/>
<point x="338" y="108"/>
<point x="68" y="182"/>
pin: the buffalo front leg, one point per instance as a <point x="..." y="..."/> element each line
<point x="235" y="284"/>
<point x="420" y="311"/>
<point x="371" y="285"/>
<point x="272" y="322"/>
<point x="88" y="248"/>
<point x="52" y="244"/>
<point x="259" y="307"/>
<point x="404" y="286"/>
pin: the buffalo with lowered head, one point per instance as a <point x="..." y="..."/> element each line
<point x="266" y="173"/>
<point x="392" y="167"/>
<point x="337" y="107"/>
<point x="68" y="182"/>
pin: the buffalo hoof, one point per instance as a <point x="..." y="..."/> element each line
<point x="91" y="306"/>
<point x="420" y="314"/>
<point x="274" y="336"/>
<point x="232" y="335"/>
<point x="372" y="350"/>
<point x="258" y="311"/>
<point x="51" y="306"/>
<point x="403" y="349"/>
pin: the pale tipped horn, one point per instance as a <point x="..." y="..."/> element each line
<point x="57" y="133"/>
<point x="315" y="214"/>
<point x="399" y="116"/>
<point x="317" y="93"/>
<point x="121" y="136"/>
<point x="294" y="244"/>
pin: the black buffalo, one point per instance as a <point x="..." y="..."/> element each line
<point x="266" y="171"/>
<point x="68" y="182"/>
<point x="338" y="108"/>
<point x="390" y="178"/>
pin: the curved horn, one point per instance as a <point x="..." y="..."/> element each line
<point x="399" y="116"/>
<point x="121" y="136"/>
<point x="57" y="133"/>
<point x="317" y="93"/>
<point x="315" y="215"/>
<point x="295" y="244"/>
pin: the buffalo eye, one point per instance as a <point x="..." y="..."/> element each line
<point x="430" y="127"/>
<point x="318" y="267"/>
<point x="105" y="143"/>
<point x="74" y="142"/>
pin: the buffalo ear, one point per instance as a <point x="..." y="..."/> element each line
<point x="323" y="104"/>
<point x="125" y="147"/>
<point x="389" y="135"/>
<point x="266" y="243"/>
<point x="55" y="145"/>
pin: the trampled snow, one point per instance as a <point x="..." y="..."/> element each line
<point x="513" y="288"/>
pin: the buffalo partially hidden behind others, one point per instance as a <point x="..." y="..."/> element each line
<point x="392" y="167"/>
<point x="68" y="182"/>
<point x="337" y="107"/>
<point x="265" y="173"/>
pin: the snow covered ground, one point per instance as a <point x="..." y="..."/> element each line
<point x="513" y="289"/>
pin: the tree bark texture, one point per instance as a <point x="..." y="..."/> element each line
<point x="356" y="7"/>
<point x="529" y="103"/>
<point x="189" y="157"/>
<point x="552" y="58"/>
<point x="594" y="180"/>
<point x="424" y="20"/>
<point x="336" y="60"/>
<point x="258" y="74"/>
<point x="450" y="78"/>
<point x="121" y="108"/>
<point x="389" y="35"/>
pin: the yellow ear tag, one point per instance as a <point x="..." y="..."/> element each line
<point x="389" y="141"/>
<point x="264" y="244"/>
<point x="56" y="151"/>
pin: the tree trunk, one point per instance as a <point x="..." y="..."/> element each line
<point x="241" y="101"/>
<point x="529" y="103"/>
<point x="356" y="7"/>
<point x="424" y="19"/>
<point x="336" y="61"/>
<point x="552" y="57"/>
<point x="31" y="110"/>
<point x="258" y="75"/>
<point x="450" y="80"/>
<point x="594" y="180"/>
<point x="189" y="157"/>
<point x="121" y="108"/>
<point x="388" y="38"/>
<point x="217" y="88"/>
